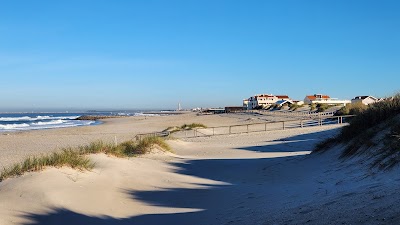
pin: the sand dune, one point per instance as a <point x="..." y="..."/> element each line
<point x="257" y="178"/>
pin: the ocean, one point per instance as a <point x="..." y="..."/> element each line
<point x="38" y="121"/>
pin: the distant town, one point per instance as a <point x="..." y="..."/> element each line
<point x="271" y="101"/>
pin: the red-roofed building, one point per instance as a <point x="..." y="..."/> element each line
<point x="324" y="99"/>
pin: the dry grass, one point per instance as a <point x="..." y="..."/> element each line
<point x="352" y="109"/>
<point x="185" y="127"/>
<point x="364" y="129"/>
<point x="76" y="158"/>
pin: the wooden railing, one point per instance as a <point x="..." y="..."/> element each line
<point x="260" y="127"/>
<point x="139" y="137"/>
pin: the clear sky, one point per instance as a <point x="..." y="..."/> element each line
<point x="97" y="54"/>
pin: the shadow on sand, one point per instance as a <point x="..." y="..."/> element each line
<point x="209" y="204"/>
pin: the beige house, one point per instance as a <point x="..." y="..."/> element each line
<point x="263" y="100"/>
<point x="324" y="99"/>
<point x="366" y="100"/>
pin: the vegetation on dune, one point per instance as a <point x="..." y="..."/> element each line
<point x="66" y="157"/>
<point x="294" y="107"/>
<point x="76" y="157"/>
<point x="186" y="127"/>
<point x="361" y="134"/>
<point x="352" y="109"/>
<point x="313" y="106"/>
<point x="322" y="107"/>
<point x="372" y="116"/>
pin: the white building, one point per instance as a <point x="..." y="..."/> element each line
<point x="324" y="99"/>
<point x="263" y="100"/>
<point x="366" y="100"/>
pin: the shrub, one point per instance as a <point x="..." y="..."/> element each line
<point x="313" y="106"/>
<point x="352" y="109"/>
<point x="322" y="107"/>
<point x="294" y="107"/>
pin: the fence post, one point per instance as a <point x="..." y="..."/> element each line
<point x="247" y="128"/>
<point x="338" y="120"/>
<point x="341" y="120"/>
<point x="213" y="131"/>
<point x="320" y="123"/>
<point x="283" y="124"/>
<point x="301" y="123"/>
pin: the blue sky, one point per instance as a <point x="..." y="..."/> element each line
<point x="153" y="54"/>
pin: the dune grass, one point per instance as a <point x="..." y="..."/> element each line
<point x="76" y="157"/>
<point x="361" y="134"/>
<point x="313" y="106"/>
<point x="389" y="154"/>
<point x="185" y="127"/>
<point x="322" y="107"/>
<point x="372" y="116"/>
<point x="352" y="109"/>
<point x="294" y="107"/>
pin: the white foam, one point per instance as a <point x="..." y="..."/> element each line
<point x="27" y="118"/>
<point x="13" y="126"/>
<point x="45" y="125"/>
<point x="9" y="119"/>
<point x="52" y="122"/>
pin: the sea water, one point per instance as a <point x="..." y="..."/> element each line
<point x="38" y="121"/>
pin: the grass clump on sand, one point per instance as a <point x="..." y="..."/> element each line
<point x="362" y="132"/>
<point x="352" y="109"/>
<point x="322" y="107"/>
<point x="185" y="127"/>
<point x="294" y="107"/>
<point x="76" y="157"/>
<point x="67" y="157"/>
<point x="313" y="106"/>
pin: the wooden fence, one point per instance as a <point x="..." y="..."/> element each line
<point x="260" y="127"/>
<point x="139" y="137"/>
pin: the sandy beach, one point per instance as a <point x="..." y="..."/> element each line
<point x="256" y="178"/>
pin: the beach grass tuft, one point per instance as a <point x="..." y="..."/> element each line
<point x="76" y="157"/>
<point x="185" y="127"/>
<point x="67" y="157"/>
<point x="352" y="109"/>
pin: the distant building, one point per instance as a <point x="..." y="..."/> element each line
<point x="282" y="97"/>
<point x="366" y="100"/>
<point x="324" y="99"/>
<point x="233" y="109"/>
<point x="214" y="110"/>
<point x="298" y="102"/>
<point x="263" y="100"/>
<point x="283" y="102"/>
<point x="246" y="103"/>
